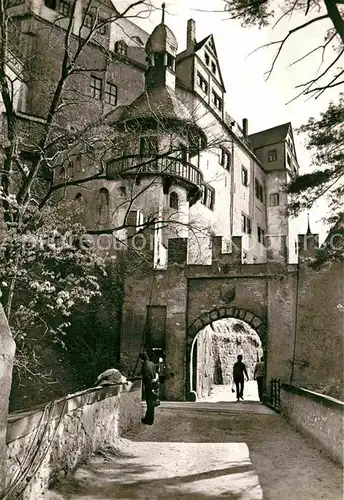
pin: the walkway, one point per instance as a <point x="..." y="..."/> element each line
<point x="224" y="393"/>
<point x="198" y="451"/>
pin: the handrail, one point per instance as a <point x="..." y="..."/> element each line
<point x="167" y="165"/>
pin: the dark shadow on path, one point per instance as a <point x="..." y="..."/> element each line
<point x="125" y="481"/>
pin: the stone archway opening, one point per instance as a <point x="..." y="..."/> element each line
<point x="214" y="341"/>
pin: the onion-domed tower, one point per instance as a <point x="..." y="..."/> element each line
<point x="164" y="143"/>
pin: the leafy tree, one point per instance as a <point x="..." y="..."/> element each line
<point x="263" y="13"/>
<point x="324" y="135"/>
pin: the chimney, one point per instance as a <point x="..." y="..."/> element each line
<point x="245" y="127"/>
<point x="191" y="35"/>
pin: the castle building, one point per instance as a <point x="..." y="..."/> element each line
<point x="223" y="180"/>
<point x="179" y="156"/>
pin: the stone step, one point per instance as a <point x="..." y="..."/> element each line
<point x="241" y="407"/>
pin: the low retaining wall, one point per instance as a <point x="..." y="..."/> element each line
<point x="318" y="416"/>
<point x="58" y="436"/>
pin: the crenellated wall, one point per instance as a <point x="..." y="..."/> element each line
<point x="262" y="295"/>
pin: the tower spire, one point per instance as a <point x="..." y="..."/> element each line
<point x="163" y="13"/>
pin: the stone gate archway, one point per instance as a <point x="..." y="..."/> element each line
<point x="206" y="318"/>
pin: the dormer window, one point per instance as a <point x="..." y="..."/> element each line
<point x="272" y="155"/>
<point x="137" y="40"/>
<point x="121" y="47"/>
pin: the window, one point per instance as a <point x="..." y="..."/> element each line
<point x="208" y="196"/>
<point x="245" y="224"/>
<point x="148" y="145"/>
<point x="260" y="234"/>
<point x="217" y="101"/>
<point x="244" y="176"/>
<point x="174" y="200"/>
<point x="110" y="95"/>
<point x="258" y="190"/>
<point x="88" y="21"/>
<point x="183" y="153"/>
<point x="102" y="30"/>
<point x="213" y="67"/>
<point x="64" y="8"/>
<point x="272" y="155"/>
<point x="51" y="4"/>
<point x="202" y="83"/>
<point x="207" y="59"/>
<point x="288" y="159"/>
<point x="78" y="165"/>
<point x="274" y="199"/>
<point x="70" y="171"/>
<point x="96" y="87"/>
<point x="225" y="158"/>
<point x="121" y="47"/>
<point x="103" y="206"/>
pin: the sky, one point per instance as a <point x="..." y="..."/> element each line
<point x="248" y="93"/>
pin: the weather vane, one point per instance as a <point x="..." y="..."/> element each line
<point x="163" y="13"/>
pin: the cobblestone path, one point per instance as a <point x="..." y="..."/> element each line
<point x="199" y="451"/>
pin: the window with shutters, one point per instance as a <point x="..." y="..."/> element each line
<point x="274" y="199"/>
<point x="245" y="224"/>
<point x="259" y="190"/>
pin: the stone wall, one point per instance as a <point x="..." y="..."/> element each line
<point x="319" y="417"/>
<point x="319" y="341"/>
<point x="231" y="338"/>
<point x="205" y="369"/>
<point x="55" y="438"/>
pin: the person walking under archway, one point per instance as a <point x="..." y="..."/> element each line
<point x="259" y="375"/>
<point x="239" y="370"/>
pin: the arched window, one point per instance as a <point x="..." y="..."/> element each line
<point x="121" y="47"/>
<point x="79" y="199"/>
<point x="60" y="174"/>
<point x="78" y="166"/>
<point x="174" y="202"/>
<point x="103" y="206"/>
<point x="70" y="171"/>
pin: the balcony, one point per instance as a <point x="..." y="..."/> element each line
<point x="171" y="169"/>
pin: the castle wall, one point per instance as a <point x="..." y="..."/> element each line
<point x="319" y="340"/>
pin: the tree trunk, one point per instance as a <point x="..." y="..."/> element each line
<point x="7" y="350"/>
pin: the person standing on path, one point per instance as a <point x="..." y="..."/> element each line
<point x="239" y="369"/>
<point x="259" y="375"/>
<point x="149" y="378"/>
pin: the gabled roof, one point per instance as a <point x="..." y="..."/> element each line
<point x="269" y="136"/>
<point x="198" y="45"/>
